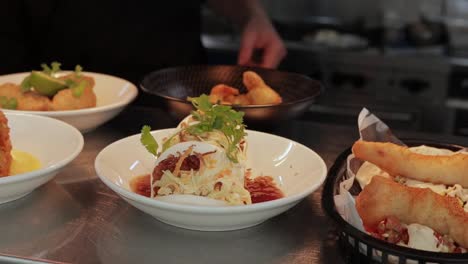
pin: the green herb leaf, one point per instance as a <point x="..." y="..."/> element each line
<point x="26" y="84"/>
<point x="8" y="103"/>
<point x="54" y="68"/>
<point x="148" y="140"/>
<point x="78" y="70"/>
<point x="218" y="117"/>
<point x="46" y="69"/>
<point x="78" y="89"/>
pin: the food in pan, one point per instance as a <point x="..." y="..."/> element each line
<point x="205" y="157"/>
<point x="384" y="198"/>
<point x="47" y="90"/>
<point x="428" y="213"/>
<point x="258" y="92"/>
<point x="399" y="160"/>
<point x="13" y="161"/>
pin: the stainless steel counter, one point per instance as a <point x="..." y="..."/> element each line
<point x="76" y="218"/>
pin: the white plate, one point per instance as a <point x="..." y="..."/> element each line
<point x="112" y="94"/>
<point x="53" y="142"/>
<point x="296" y="169"/>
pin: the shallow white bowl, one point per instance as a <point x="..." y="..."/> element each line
<point x="52" y="141"/>
<point x="296" y="169"/>
<point x="112" y="94"/>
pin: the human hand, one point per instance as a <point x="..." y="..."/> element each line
<point x="259" y="34"/>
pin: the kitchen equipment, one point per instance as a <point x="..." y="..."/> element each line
<point x="174" y="85"/>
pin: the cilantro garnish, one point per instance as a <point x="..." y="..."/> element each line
<point x="218" y="117"/>
<point x="210" y="118"/>
<point x="78" y="89"/>
<point x="8" y="103"/>
<point x="78" y="70"/>
<point x="54" y="68"/>
<point x="148" y="140"/>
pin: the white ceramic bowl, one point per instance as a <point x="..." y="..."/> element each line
<point x="296" y="169"/>
<point x="52" y="141"/>
<point x="112" y="94"/>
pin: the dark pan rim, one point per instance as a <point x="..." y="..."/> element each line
<point x="310" y="97"/>
<point x="328" y="205"/>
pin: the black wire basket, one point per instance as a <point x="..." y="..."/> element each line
<point x="359" y="247"/>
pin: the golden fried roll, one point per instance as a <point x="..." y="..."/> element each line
<point x="400" y="161"/>
<point x="258" y="92"/>
<point x="5" y="146"/>
<point x="383" y="198"/>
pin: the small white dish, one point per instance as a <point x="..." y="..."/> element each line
<point x="112" y="94"/>
<point x="296" y="169"/>
<point x="52" y="141"/>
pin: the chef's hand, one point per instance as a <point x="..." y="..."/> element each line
<point x="258" y="35"/>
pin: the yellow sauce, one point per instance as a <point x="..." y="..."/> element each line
<point x="23" y="162"/>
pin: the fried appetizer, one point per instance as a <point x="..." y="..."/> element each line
<point x="400" y="161"/>
<point x="258" y="92"/>
<point x="5" y="146"/>
<point x="66" y="100"/>
<point x="28" y="101"/>
<point x="223" y="94"/>
<point x="384" y="198"/>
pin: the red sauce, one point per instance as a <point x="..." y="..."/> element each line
<point x="261" y="188"/>
<point x="141" y="185"/>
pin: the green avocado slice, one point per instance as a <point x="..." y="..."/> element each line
<point x="46" y="84"/>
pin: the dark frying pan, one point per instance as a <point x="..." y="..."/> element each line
<point x="174" y="85"/>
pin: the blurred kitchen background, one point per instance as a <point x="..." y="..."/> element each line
<point x="406" y="61"/>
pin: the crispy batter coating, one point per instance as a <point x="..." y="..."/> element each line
<point x="65" y="100"/>
<point x="399" y="160"/>
<point x="223" y="94"/>
<point x="29" y="101"/>
<point x="258" y="91"/>
<point x="384" y="198"/>
<point x="5" y="146"/>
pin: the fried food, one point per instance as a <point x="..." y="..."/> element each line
<point x="258" y="93"/>
<point x="223" y="94"/>
<point x="384" y="198"/>
<point x="79" y="78"/>
<point x="5" y="146"/>
<point x="400" y="161"/>
<point x="65" y="100"/>
<point x="28" y="101"/>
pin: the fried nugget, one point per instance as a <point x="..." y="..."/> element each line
<point x="78" y="78"/>
<point x="400" y="161"/>
<point x="5" y="146"/>
<point x="65" y="100"/>
<point x="258" y="92"/>
<point x="223" y="94"/>
<point x="28" y="101"/>
<point x="384" y="198"/>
